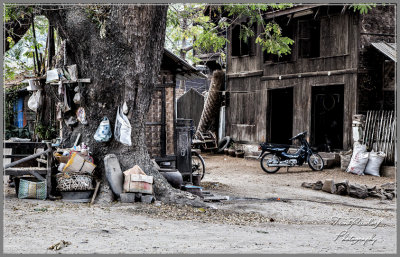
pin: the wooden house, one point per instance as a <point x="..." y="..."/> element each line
<point x="161" y="119"/>
<point x="20" y="120"/>
<point x="332" y="73"/>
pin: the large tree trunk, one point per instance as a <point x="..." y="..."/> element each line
<point x="122" y="66"/>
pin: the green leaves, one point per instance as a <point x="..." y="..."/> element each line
<point x="189" y="24"/>
<point x="362" y="8"/>
<point x="19" y="59"/>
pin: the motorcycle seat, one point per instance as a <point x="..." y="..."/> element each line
<point x="278" y="149"/>
<point x="278" y="146"/>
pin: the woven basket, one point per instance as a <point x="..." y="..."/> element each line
<point x="74" y="182"/>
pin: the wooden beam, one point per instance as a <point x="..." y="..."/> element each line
<point x="24" y="171"/>
<point x="27" y="159"/>
<point x="41" y="161"/>
<point x="77" y="139"/>
<point x="37" y="175"/>
<point x="71" y="81"/>
<point x="309" y="74"/>
<point x="95" y="192"/>
<point x="245" y="74"/>
<point x="295" y="9"/>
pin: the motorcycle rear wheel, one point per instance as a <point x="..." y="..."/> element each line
<point x="316" y="162"/>
<point x="269" y="158"/>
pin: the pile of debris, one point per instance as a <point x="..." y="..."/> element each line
<point x="76" y="173"/>
<point x="385" y="191"/>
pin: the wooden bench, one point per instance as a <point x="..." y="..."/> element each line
<point x="28" y="151"/>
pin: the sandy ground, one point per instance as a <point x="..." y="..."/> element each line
<point x="301" y="221"/>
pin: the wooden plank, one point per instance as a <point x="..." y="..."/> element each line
<point x="16" y="155"/>
<point x="7" y="151"/>
<point x="95" y="191"/>
<point x="77" y="139"/>
<point x="86" y="80"/>
<point x="25" y="171"/>
<point x="49" y="172"/>
<point x="310" y="74"/>
<point x="8" y="144"/>
<point x="37" y="175"/>
<point x="41" y="161"/>
<point x="366" y="127"/>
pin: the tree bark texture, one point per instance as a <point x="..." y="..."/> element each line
<point x="210" y="114"/>
<point x="123" y="67"/>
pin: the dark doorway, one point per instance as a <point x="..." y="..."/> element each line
<point x="327" y="117"/>
<point x="280" y="115"/>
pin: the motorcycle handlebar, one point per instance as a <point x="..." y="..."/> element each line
<point x="298" y="135"/>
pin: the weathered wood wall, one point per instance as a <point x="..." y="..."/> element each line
<point x="249" y="80"/>
<point x="190" y="106"/>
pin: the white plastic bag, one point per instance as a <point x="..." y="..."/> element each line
<point x="73" y="72"/>
<point x="359" y="159"/>
<point x="122" y="130"/>
<point x="103" y="132"/>
<point x="374" y="163"/>
<point x="34" y="101"/>
<point x="77" y="98"/>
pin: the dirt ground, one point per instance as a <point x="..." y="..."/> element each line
<point x="265" y="213"/>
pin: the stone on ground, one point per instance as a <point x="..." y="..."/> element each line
<point x="358" y="191"/>
<point x="127" y="197"/>
<point x="329" y="186"/>
<point x="342" y="188"/>
<point x="147" y="198"/>
<point x="307" y="184"/>
<point x="318" y="185"/>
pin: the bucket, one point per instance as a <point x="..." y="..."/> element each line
<point x="196" y="180"/>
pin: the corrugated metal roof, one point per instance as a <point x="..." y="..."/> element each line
<point x="388" y="49"/>
<point x="188" y="71"/>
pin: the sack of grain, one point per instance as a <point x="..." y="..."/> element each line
<point x="359" y="159"/>
<point x="374" y="163"/>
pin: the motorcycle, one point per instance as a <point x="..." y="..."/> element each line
<point x="275" y="156"/>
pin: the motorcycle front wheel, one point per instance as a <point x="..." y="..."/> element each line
<point x="316" y="162"/>
<point x="269" y="158"/>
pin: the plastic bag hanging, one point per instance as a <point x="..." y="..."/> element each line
<point x="122" y="130"/>
<point x="34" y="101"/>
<point x="103" y="132"/>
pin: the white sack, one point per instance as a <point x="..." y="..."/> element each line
<point x="122" y="130"/>
<point x="359" y="159"/>
<point x="374" y="163"/>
